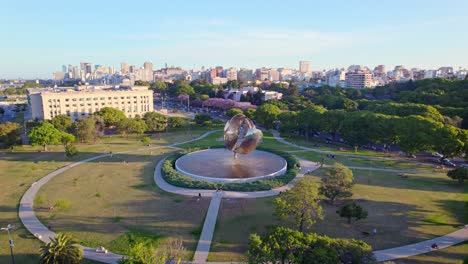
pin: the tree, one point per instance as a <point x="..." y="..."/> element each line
<point x="450" y="141"/>
<point x="61" y="122"/>
<point x="417" y="133"/>
<point x="61" y="249"/>
<point x="9" y="134"/>
<point x="174" y="122"/>
<point x="352" y="210"/>
<point x="159" y="86"/>
<point x="71" y="150"/>
<point x="111" y="116"/>
<point x="266" y="114"/>
<point x="128" y="126"/>
<point x="337" y="183"/>
<point x="155" y="121"/>
<point x="289" y="122"/>
<point x="85" y="129"/>
<point x="310" y="120"/>
<point x="460" y="174"/>
<point x="44" y="134"/>
<point x="300" y="202"/>
<point x="201" y="118"/>
<point x="181" y="87"/>
<point x="356" y="127"/>
<point x="233" y="111"/>
<point x="249" y="112"/>
<point x="66" y="138"/>
<point x="146" y="140"/>
<point x="283" y="245"/>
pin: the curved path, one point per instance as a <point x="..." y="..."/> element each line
<point x="33" y="225"/>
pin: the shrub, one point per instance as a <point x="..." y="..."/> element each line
<point x="62" y="204"/>
<point x="40" y="199"/>
<point x="200" y="118"/>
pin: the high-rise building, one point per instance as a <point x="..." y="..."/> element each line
<point x="124" y="68"/>
<point x="231" y="73"/>
<point x="358" y="79"/>
<point x="64" y="68"/>
<point x="304" y="66"/>
<point x="273" y="75"/>
<point x="245" y="75"/>
<point x="148" y="71"/>
<point x="219" y="71"/>
<point x="76" y="73"/>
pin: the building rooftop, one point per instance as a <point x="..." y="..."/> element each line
<point x="86" y="89"/>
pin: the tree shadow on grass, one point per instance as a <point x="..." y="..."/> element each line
<point x="412" y="182"/>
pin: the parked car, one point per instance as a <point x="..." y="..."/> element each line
<point x="449" y="163"/>
<point x="437" y="155"/>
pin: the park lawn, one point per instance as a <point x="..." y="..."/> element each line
<point x="403" y="211"/>
<point x="342" y="149"/>
<point x="19" y="169"/>
<point x="118" y="195"/>
<point x="450" y="255"/>
<point x="370" y="163"/>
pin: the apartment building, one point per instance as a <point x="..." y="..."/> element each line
<point x="83" y="101"/>
<point x="358" y="79"/>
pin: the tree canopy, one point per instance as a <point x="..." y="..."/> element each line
<point x="283" y="245"/>
<point x="301" y="203"/>
<point x="111" y="116"/>
<point x="337" y="182"/>
<point x="44" y="134"/>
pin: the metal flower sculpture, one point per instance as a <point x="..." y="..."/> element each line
<point x="241" y="135"/>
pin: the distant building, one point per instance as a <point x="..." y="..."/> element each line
<point x="59" y="76"/>
<point x="219" y="71"/>
<point x="304" y="66"/>
<point x="272" y="95"/>
<point x="358" y="79"/>
<point x="124" y="68"/>
<point x="83" y="101"/>
<point x="231" y="73"/>
<point x="262" y="74"/>
<point x="335" y="77"/>
<point x="245" y="75"/>
<point x="219" y="80"/>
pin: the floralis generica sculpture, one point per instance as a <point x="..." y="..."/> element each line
<point x="240" y="135"/>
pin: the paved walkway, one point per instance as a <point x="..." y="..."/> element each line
<point x="35" y="227"/>
<point x="422" y="247"/>
<point x="204" y="243"/>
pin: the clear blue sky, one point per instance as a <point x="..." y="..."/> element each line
<point x="37" y="37"/>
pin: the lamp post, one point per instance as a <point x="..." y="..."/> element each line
<point x="10" y="240"/>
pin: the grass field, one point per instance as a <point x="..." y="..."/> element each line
<point x="19" y="169"/>
<point x="111" y="197"/>
<point x="403" y="211"/>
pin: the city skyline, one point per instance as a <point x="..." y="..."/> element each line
<point x="251" y="35"/>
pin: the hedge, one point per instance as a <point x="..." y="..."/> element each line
<point x="172" y="176"/>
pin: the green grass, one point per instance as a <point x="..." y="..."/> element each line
<point x="26" y="164"/>
<point x="374" y="163"/>
<point x="343" y="149"/>
<point x="404" y="211"/>
<point x="113" y="197"/>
